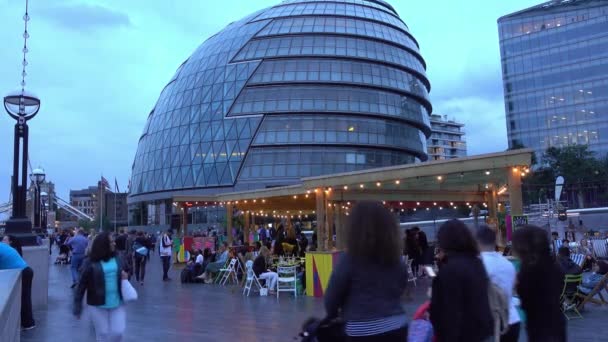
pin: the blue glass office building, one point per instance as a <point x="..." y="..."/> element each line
<point x="555" y="72"/>
<point x="304" y="88"/>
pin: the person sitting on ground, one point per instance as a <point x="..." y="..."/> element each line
<point x="215" y="266"/>
<point x="568" y="266"/>
<point x="261" y="270"/>
<point x="590" y="283"/>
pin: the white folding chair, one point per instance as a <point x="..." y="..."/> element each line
<point x="287" y="280"/>
<point x="251" y="279"/>
<point x="228" y="272"/>
<point x="410" y="273"/>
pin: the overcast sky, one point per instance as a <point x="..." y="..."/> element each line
<point x="99" y="66"/>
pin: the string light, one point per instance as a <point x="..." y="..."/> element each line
<point x="397" y="182"/>
<point x="378" y="184"/>
<point x="361" y="186"/>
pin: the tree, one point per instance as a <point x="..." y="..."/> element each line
<point x="576" y="163"/>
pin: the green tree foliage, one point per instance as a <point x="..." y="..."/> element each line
<point x="576" y="163"/>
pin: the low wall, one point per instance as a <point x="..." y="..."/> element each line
<point x="10" y="305"/>
<point x="37" y="257"/>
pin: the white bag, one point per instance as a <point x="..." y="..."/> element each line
<point x="264" y="291"/>
<point x="129" y="293"/>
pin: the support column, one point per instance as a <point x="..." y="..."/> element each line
<point x="246" y="228"/>
<point x="229" y="223"/>
<point x="184" y="220"/>
<point x="340" y="221"/>
<point x="492" y="198"/>
<point x="320" y="213"/>
<point x="514" y="187"/>
<point x="329" y="221"/>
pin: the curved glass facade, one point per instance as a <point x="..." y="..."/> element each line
<point x="304" y="88"/>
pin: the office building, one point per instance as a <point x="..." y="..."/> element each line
<point x="447" y="139"/>
<point x="555" y="72"/>
<point x="304" y="88"/>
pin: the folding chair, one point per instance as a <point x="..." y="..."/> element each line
<point x="410" y="273"/>
<point x="588" y="296"/>
<point x="220" y="273"/>
<point x="556" y="245"/>
<point x="228" y="272"/>
<point x="568" y="297"/>
<point x="578" y="259"/>
<point x="251" y="279"/>
<point x="599" y="248"/>
<point x="287" y="280"/>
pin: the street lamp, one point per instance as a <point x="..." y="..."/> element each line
<point x="37" y="177"/>
<point x="21" y="106"/>
<point x="45" y="210"/>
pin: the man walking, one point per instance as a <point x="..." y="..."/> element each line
<point x="10" y="259"/>
<point x="502" y="273"/>
<point x="166" y="245"/>
<point x="78" y="244"/>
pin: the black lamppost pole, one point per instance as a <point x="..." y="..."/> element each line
<point x="21" y="106"/>
<point x="37" y="177"/>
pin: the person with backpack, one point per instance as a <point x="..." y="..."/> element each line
<point x="141" y="249"/>
<point x="502" y="274"/>
<point x="460" y="305"/>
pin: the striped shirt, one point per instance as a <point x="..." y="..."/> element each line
<point x="375" y="326"/>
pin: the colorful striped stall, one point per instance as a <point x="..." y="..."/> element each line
<point x="319" y="266"/>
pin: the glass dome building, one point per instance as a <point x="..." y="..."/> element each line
<point x="304" y="88"/>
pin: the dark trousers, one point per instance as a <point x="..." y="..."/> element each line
<point x="27" y="317"/>
<point x="398" y="335"/>
<point x="166" y="263"/>
<point x="512" y="334"/>
<point x="140" y="266"/>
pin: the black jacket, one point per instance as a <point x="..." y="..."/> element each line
<point x="364" y="291"/>
<point x="460" y="309"/>
<point x="539" y="289"/>
<point x="259" y="265"/>
<point x="93" y="283"/>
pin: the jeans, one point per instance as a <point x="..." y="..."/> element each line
<point x="110" y="324"/>
<point x="140" y="266"/>
<point x="75" y="266"/>
<point x="166" y="263"/>
<point x="271" y="279"/>
<point x="27" y="317"/>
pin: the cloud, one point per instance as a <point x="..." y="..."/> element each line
<point x="84" y="17"/>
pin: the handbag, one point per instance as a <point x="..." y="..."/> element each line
<point x="129" y="293"/>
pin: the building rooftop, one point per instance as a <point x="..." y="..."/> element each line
<point x="549" y="6"/>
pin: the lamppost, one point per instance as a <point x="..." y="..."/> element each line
<point x="21" y="106"/>
<point x="37" y="177"/>
<point x="45" y="211"/>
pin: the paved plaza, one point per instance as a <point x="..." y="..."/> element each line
<point x="171" y="311"/>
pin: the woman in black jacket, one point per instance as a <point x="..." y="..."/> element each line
<point x="460" y="309"/>
<point x="366" y="286"/>
<point x="539" y="285"/>
<point x="101" y="280"/>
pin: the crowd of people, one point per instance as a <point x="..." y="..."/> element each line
<point x="476" y="290"/>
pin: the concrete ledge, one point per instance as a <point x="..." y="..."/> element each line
<point x="10" y="305"/>
<point x="37" y="257"/>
